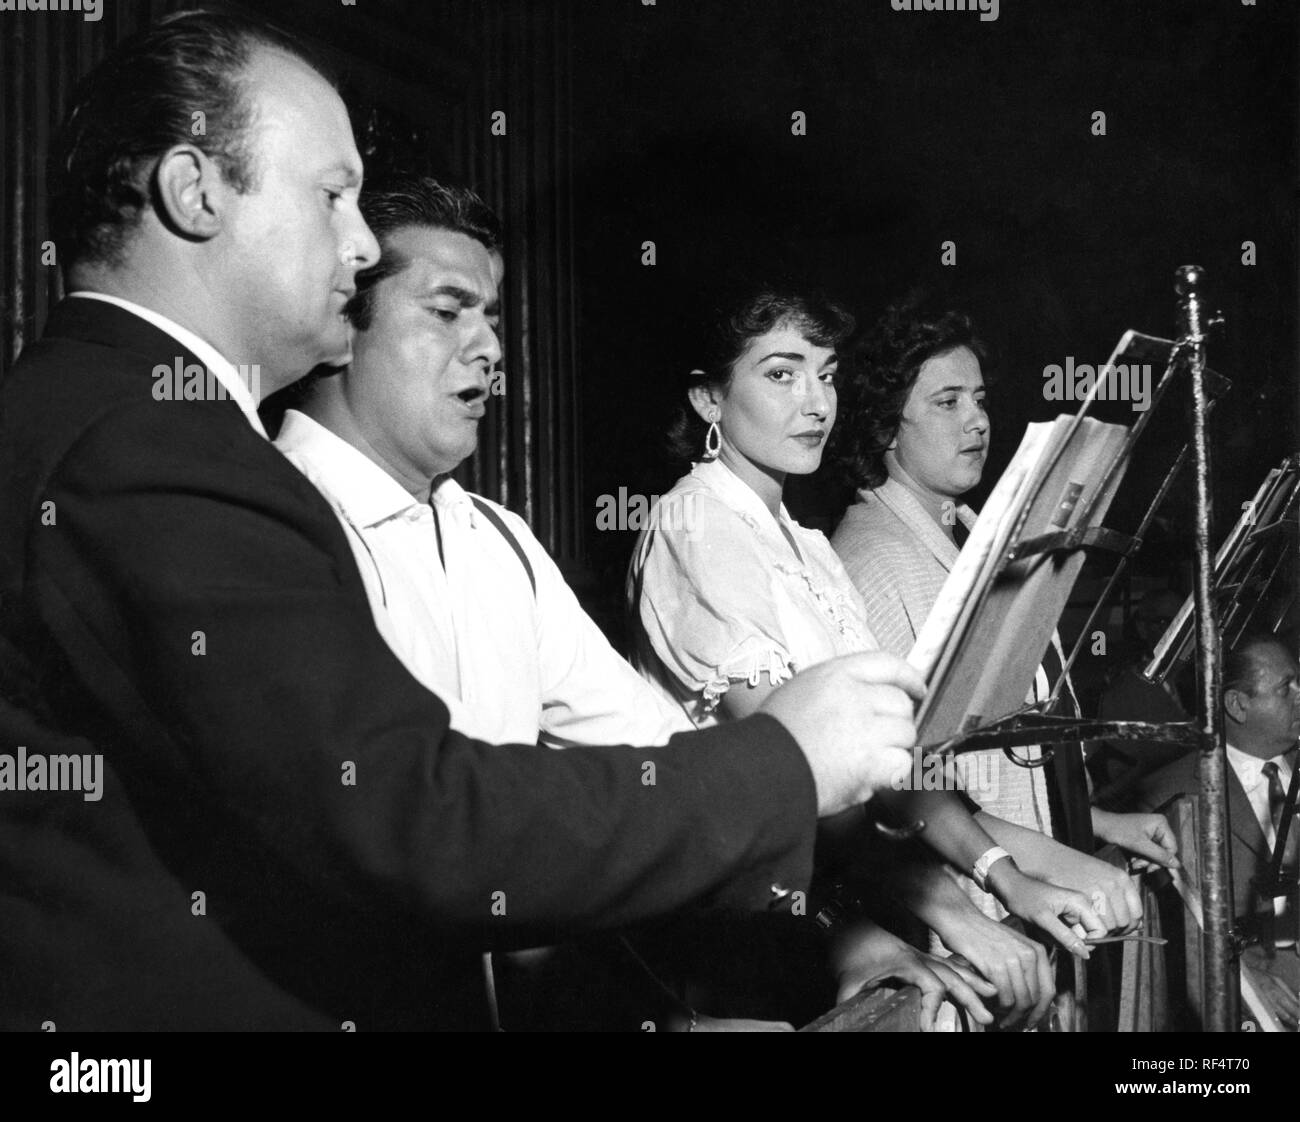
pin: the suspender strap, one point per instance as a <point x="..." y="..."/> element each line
<point x="497" y="521"/>
<point x="489" y="974"/>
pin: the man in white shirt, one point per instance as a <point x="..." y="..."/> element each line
<point x="1261" y="706"/>
<point x="461" y="590"/>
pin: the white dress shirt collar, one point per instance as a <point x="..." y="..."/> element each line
<point x="448" y="495"/>
<point x="1250" y="769"/>
<point x="367" y="494"/>
<point x="222" y="368"/>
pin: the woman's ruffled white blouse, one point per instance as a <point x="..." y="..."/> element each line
<point x="717" y="595"/>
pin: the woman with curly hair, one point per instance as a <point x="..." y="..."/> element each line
<point x="915" y="438"/>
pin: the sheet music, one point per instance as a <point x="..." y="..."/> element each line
<point x="989" y="537"/>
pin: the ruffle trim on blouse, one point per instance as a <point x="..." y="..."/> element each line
<point x="832" y="601"/>
<point x="747" y="666"/>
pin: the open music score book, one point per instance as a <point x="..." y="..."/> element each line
<point x="982" y="642"/>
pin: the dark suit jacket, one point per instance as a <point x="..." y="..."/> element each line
<point x="128" y="526"/>
<point x="1248" y="848"/>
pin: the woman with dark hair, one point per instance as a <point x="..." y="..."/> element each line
<point x="730" y="596"/>
<point x="915" y="439"/>
<point x="769" y="366"/>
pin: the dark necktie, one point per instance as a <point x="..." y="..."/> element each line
<point x="1276" y="799"/>
<point x="1276" y="793"/>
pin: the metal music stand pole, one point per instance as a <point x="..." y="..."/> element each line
<point x="1220" y="995"/>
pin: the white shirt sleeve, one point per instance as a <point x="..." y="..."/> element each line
<point x="589" y="693"/>
<point x="709" y="604"/>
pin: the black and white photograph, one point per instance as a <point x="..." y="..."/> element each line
<point x="640" y="516"/>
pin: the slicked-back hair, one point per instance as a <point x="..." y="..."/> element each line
<point x="404" y="201"/>
<point x="139" y="102"/>
<point x="1241" y="667"/>
<point x="885" y="366"/>
<point x="732" y="326"/>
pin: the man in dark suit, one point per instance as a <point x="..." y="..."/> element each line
<point x="289" y="833"/>
<point x="1261" y="706"/>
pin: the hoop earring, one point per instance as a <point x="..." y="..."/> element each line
<point x="712" y="441"/>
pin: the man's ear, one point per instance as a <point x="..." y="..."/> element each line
<point x="189" y="191"/>
<point x="1234" y="706"/>
<point x="705" y="402"/>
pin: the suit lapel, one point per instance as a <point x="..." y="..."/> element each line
<point x="1241" y="818"/>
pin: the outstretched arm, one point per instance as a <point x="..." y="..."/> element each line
<point x="201" y="590"/>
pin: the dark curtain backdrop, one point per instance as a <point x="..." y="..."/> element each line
<point x="928" y="127"/>
<point x="670" y="122"/>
